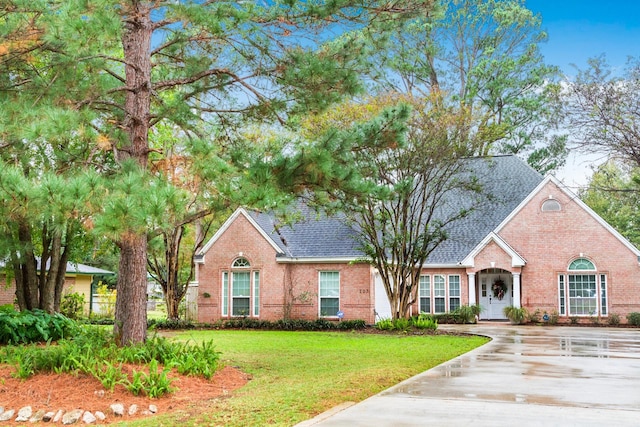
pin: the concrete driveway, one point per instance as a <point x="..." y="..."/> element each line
<point x="526" y="376"/>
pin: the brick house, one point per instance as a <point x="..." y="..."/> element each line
<point x="535" y="244"/>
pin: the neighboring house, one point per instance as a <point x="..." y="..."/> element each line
<point x="533" y="244"/>
<point x="78" y="278"/>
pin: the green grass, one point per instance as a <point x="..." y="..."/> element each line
<point x="297" y="375"/>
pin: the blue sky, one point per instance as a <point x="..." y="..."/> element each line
<point x="579" y="30"/>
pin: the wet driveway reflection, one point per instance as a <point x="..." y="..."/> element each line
<point x="526" y="376"/>
<point x="566" y="366"/>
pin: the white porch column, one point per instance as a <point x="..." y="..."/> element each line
<point x="472" y="288"/>
<point x="516" y="290"/>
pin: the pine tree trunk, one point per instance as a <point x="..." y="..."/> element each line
<point x="131" y="298"/>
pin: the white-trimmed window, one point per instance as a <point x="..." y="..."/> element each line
<point x="329" y="293"/>
<point x="454" y="292"/>
<point x="241" y="290"/>
<point x="439" y="294"/>
<point x="582" y="292"/>
<point x="424" y="290"/>
<point x="551" y="205"/>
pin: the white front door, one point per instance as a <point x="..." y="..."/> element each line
<point x="492" y="300"/>
<point x="383" y="308"/>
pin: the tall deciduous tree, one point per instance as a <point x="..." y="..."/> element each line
<point x="604" y="110"/>
<point x="128" y="65"/>
<point x="483" y="57"/>
<point x="614" y="194"/>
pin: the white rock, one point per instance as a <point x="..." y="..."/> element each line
<point x="88" y="418"/>
<point x="153" y="408"/>
<point x="100" y="415"/>
<point x="38" y="416"/>
<point x="48" y="416"/>
<point x="58" y="415"/>
<point x="72" y="417"/>
<point x="117" y="409"/>
<point x="7" y="415"/>
<point x="133" y="409"/>
<point x="24" y="414"/>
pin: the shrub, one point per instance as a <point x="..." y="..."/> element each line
<point x="33" y="326"/>
<point x="467" y="313"/>
<point x="614" y="319"/>
<point x="72" y="305"/>
<point x="573" y="320"/>
<point x="634" y="318"/>
<point x="170" y="324"/>
<point x="402" y="324"/>
<point x="534" y="317"/>
<point x="384" y="325"/>
<point x="424" y="321"/>
<point x="554" y="317"/>
<point x="351" y="324"/>
<point x="517" y="315"/>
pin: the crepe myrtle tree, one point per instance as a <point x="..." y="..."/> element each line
<point x="393" y="177"/>
<point x="407" y="217"/>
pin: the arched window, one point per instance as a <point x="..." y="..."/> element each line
<point x="241" y="289"/>
<point x="551" y="205"/>
<point x="582" y="292"/>
<point x="581" y="264"/>
<point x="241" y="263"/>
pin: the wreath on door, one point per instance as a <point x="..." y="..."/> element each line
<point x="499" y="288"/>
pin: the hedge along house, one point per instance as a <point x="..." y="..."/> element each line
<point x="532" y="244"/>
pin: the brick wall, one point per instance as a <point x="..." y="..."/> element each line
<point x="7" y="293"/>
<point x="549" y="241"/>
<point x="285" y="288"/>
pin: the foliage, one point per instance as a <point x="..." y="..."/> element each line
<point x="614" y="194"/>
<point x="154" y="384"/>
<point x="93" y="351"/>
<point x="107" y="303"/>
<point x="295" y="374"/>
<point x="33" y="326"/>
<point x="170" y="324"/>
<point x="468" y="313"/>
<point x="156" y="96"/>
<point x="385" y="325"/>
<point x="424" y="322"/>
<point x="403" y="325"/>
<point x="602" y="106"/>
<point x="613" y="319"/>
<point x="633" y="318"/>
<point x="72" y="305"/>
<point x="534" y="316"/>
<point x="517" y="315"/>
<point x="409" y="163"/>
<point x="483" y="57"/>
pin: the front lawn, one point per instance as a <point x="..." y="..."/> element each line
<point x="297" y="375"/>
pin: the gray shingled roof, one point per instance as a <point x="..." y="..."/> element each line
<point x="506" y="181"/>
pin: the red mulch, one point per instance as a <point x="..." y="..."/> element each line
<point x="51" y="392"/>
